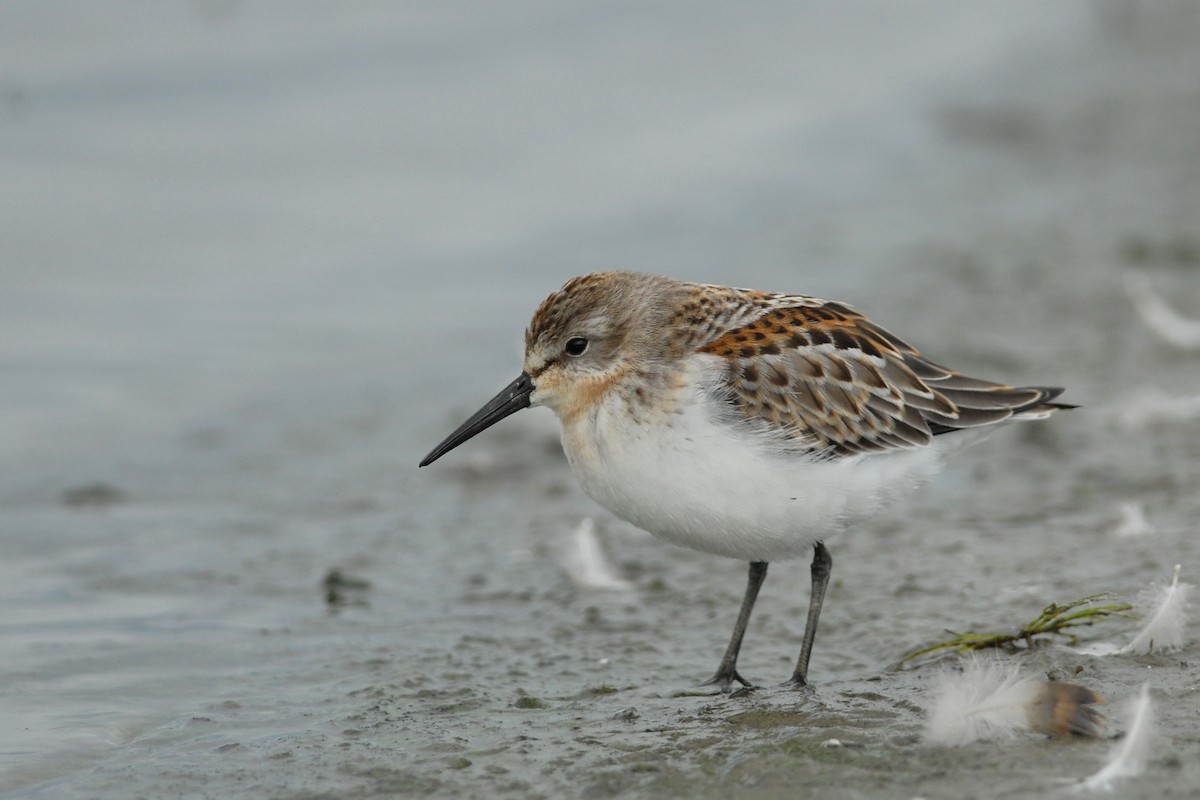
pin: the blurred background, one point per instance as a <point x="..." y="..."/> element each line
<point x="256" y="258"/>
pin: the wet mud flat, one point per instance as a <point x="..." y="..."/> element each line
<point x="514" y="681"/>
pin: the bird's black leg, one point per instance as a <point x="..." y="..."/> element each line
<point x="822" y="565"/>
<point x="727" y="673"/>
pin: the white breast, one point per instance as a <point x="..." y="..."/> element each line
<point x="701" y="483"/>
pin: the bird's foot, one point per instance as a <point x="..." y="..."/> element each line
<point x="722" y="682"/>
<point x="797" y="682"/>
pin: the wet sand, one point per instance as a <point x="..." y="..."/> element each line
<point x="172" y="630"/>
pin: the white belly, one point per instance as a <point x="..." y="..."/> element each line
<point x="709" y="486"/>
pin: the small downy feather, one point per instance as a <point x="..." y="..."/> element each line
<point x="587" y="564"/>
<point x="1164" y="626"/>
<point x="1128" y="758"/>
<point x="1166" y="322"/>
<point x="990" y="701"/>
<point x="1150" y="407"/>
<point x="1134" y="521"/>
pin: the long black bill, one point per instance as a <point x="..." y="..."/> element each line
<point x="512" y="399"/>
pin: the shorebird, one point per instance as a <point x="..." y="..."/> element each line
<point x="747" y="424"/>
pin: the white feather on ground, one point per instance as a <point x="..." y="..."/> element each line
<point x="990" y="701"/>
<point x="1151" y="407"/>
<point x="1134" y="521"/>
<point x="1164" y="626"/>
<point x="1128" y="759"/>
<point x="1097" y="648"/>
<point x="586" y="562"/>
<point x="1171" y="326"/>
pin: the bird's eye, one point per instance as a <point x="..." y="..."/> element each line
<point x="576" y="346"/>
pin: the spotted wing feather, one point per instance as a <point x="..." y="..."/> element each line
<point x="825" y="377"/>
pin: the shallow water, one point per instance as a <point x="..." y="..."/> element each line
<point x="258" y="258"/>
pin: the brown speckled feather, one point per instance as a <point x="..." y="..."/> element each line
<point x="824" y="375"/>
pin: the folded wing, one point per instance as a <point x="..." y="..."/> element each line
<point x="825" y="377"/>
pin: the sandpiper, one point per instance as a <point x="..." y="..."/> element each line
<point x="747" y="424"/>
